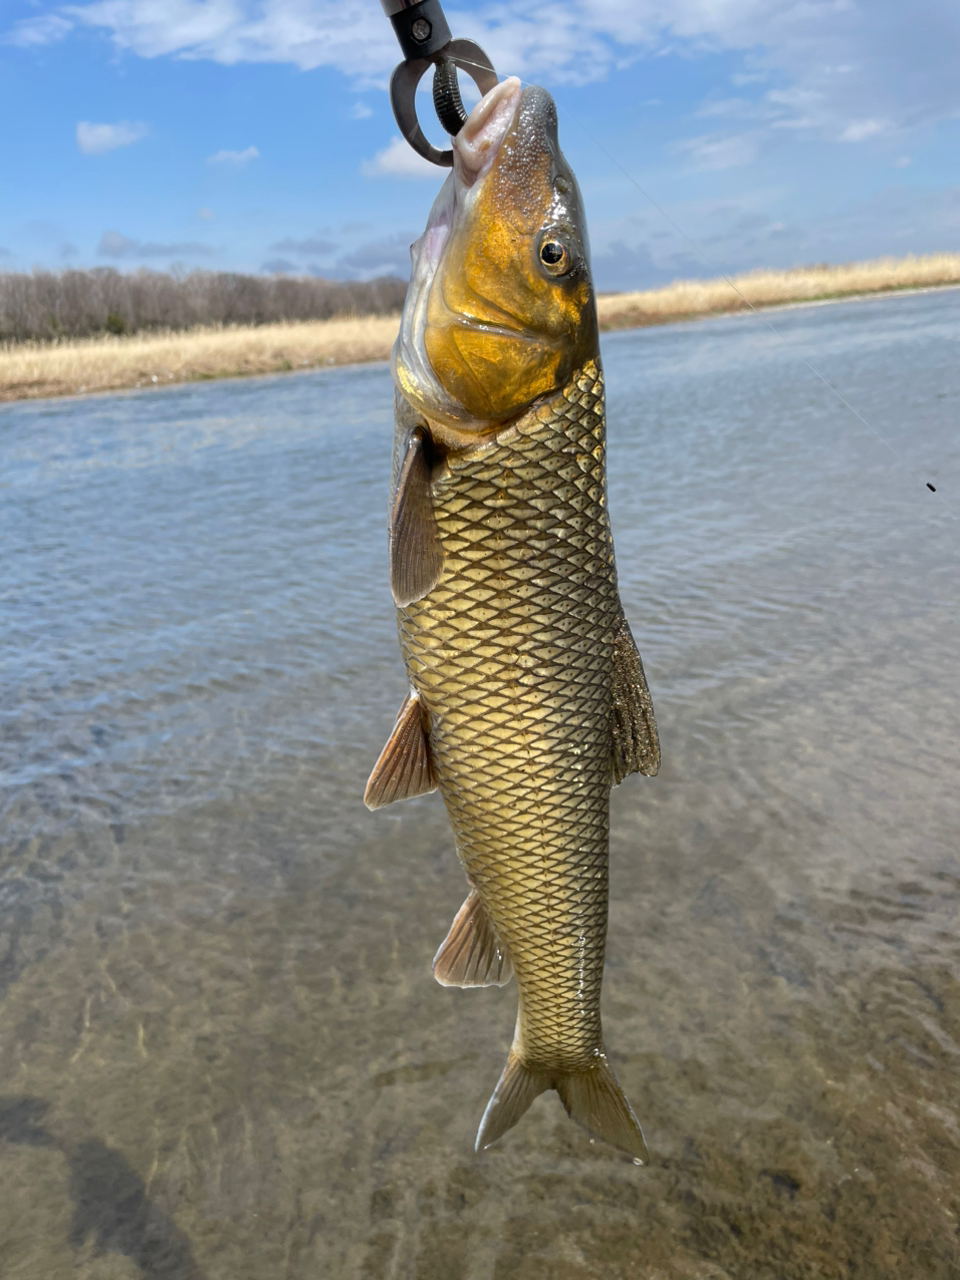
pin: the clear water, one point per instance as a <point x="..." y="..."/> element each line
<point x="221" y="1050"/>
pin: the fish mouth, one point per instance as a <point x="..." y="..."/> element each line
<point x="476" y="145"/>
<point x="475" y="148"/>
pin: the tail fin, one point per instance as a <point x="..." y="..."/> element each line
<point x="517" y="1089"/>
<point x="592" y="1097"/>
<point x="595" y="1100"/>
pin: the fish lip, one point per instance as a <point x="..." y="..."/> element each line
<point x="476" y="146"/>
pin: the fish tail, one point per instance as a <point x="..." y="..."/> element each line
<point x="517" y="1089"/>
<point x="592" y="1097"/>
<point x="595" y="1100"/>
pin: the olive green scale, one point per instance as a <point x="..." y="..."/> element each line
<point x="528" y="701"/>
<point x="512" y="655"/>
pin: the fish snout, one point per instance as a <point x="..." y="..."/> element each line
<point x="476" y="145"/>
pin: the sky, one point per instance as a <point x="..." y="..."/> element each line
<point x="708" y="135"/>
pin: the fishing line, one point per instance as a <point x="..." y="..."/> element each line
<point x="756" y="310"/>
<point x="705" y="261"/>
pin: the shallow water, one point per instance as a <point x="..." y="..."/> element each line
<point x="221" y="1050"/>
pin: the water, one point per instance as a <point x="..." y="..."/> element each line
<point x="221" y="1051"/>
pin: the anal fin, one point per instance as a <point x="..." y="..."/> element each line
<point x="403" y="769"/>
<point x="471" y="955"/>
<point x="636" y="746"/>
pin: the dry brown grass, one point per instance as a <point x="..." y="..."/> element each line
<point x="31" y="370"/>
<point x="686" y="298"/>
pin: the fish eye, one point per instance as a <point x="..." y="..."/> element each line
<point x="554" y="257"/>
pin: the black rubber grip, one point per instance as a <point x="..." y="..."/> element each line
<point x="446" y="96"/>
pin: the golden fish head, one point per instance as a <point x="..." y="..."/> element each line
<point x="500" y="310"/>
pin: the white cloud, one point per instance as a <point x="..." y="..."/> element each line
<point x="832" y="64"/>
<point x="360" y="111"/>
<point x="399" y="160"/>
<point x="113" y="244"/>
<point x="860" y="130"/>
<point x="794" y="108"/>
<point x="204" y="215"/>
<point x="350" y="35"/>
<point x="735" y="108"/>
<point x="720" y="151"/>
<point x="387" y="256"/>
<point x="309" y="246"/>
<point x="46" y="29"/>
<point x="236" y="158"/>
<point x="756" y="228"/>
<point x="95" y="139"/>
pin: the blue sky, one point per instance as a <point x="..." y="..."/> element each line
<point x="257" y="134"/>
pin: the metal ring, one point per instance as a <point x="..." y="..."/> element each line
<point x="469" y="57"/>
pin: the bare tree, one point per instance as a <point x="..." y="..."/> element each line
<point x="48" y="306"/>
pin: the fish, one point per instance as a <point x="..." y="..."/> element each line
<point x="528" y="699"/>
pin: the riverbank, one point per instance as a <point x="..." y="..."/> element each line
<point x="37" y="370"/>
<point x="688" y="299"/>
<point x="32" y="370"/>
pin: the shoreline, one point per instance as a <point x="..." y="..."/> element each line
<point x="35" y="371"/>
<point x="758" y="309"/>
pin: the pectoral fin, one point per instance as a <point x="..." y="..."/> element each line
<point x="636" y="747"/>
<point x="471" y="955"/>
<point x="416" y="557"/>
<point x="403" y="769"/>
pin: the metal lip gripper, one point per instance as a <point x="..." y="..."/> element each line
<point x="425" y="41"/>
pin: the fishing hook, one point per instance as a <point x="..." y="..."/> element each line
<point x="426" y="41"/>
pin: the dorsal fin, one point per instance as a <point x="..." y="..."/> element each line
<point x="403" y="769"/>
<point x="636" y="746"/>
<point x="471" y="955"/>
<point x="416" y="557"/>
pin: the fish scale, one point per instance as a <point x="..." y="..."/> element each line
<point x="512" y="656"/>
